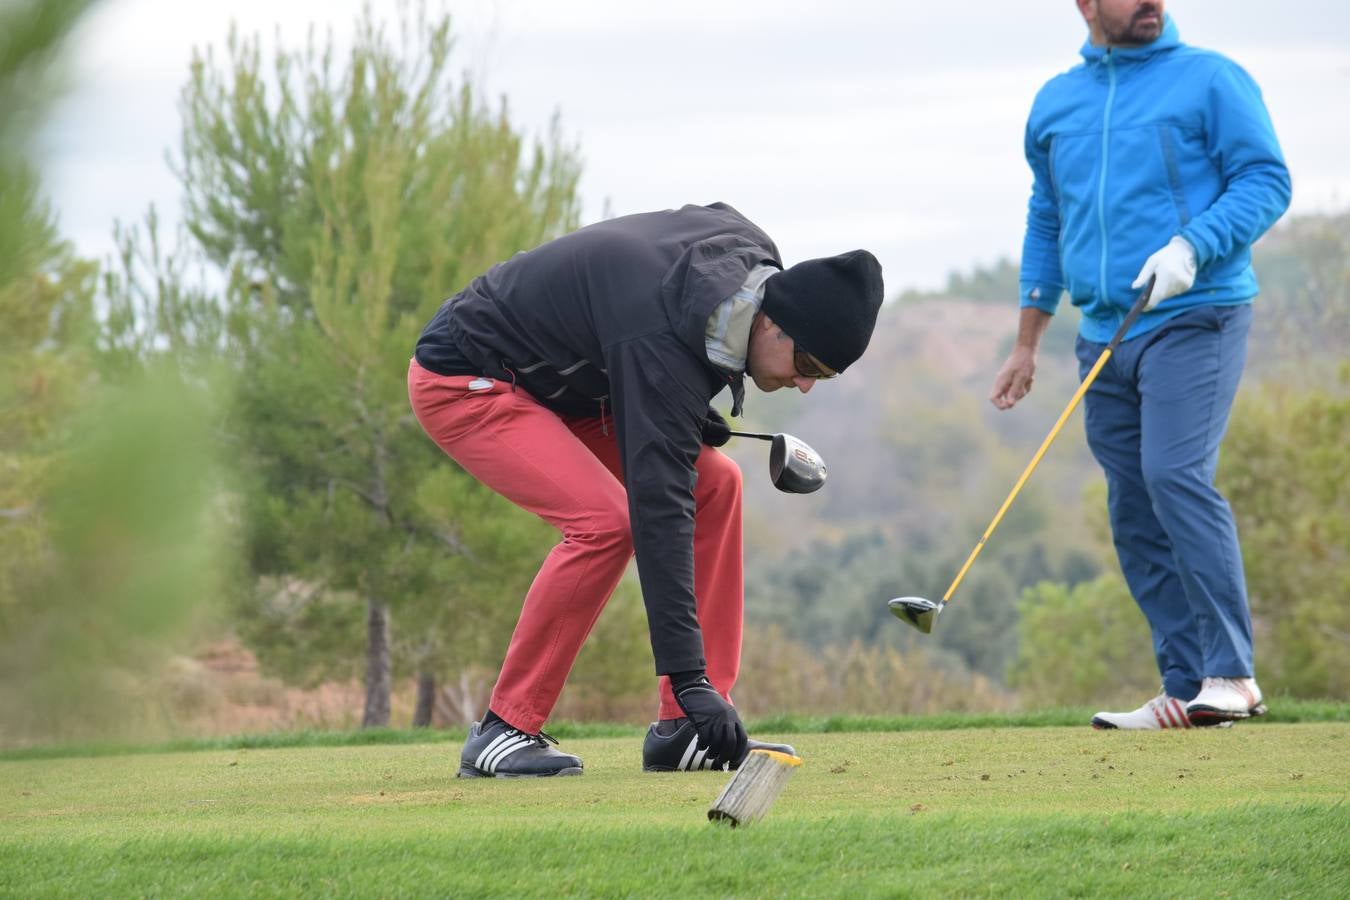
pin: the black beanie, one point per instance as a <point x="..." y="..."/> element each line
<point x="828" y="306"/>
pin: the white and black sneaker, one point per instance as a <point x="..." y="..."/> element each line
<point x="1223" y="700"/>
<point x="1160" y="713"/>
<point x="678" y="751"/>
<point x="500" y="751"/>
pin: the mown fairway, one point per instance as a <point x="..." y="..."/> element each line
<point x="1257" y="810"/>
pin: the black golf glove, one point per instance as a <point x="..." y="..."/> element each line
<point x="719" y="728"/>
<point x="716" y="431"/>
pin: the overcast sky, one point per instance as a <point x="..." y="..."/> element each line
<point x="889" y="125"/>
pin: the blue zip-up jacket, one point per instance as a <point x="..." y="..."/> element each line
<point x="1130" y="148"/>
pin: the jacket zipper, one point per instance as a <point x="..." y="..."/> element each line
<point x="1101" y="183"/>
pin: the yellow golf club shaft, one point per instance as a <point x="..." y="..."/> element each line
<point x="1130" y="317"/>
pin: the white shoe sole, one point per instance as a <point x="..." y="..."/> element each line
<point x="1104" y="725"/>
<point x="471" y="772"/>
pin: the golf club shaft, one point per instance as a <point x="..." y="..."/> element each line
<point x="752" y="434"/>
<point x="1125" y="326"/>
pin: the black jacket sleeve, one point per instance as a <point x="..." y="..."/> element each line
<point x="660" y="393"/>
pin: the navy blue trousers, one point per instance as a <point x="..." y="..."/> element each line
<point x="1154" y="418"/>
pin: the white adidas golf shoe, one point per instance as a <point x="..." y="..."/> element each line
<point x="1223" y="700"/>
<point x="1161" y="712"/>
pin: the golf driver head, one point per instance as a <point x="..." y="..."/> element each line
<point x="794" y="467"/>
<point x="916" y="611"/>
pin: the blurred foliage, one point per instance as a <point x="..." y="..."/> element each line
<point x="1083" y="644"/>
<point x="836" y="592"/>
<point x="43" y="374"/>
<point x="106" y="515"/>
<point x="910" y="496"/>
<point x="132" y="554"/>
<point x="780" y="675"/>
<point x="1285" y="470"/>
<point x="1303" y="312"/>
<point x="31" y="41"/>
<point x="109" y="522"/>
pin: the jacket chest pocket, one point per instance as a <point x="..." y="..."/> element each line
<point x="1167" y="145"/>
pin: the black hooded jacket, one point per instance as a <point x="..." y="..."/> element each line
<point x="610" y="321"/>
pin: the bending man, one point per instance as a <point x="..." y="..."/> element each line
<point x="575" y="380"/>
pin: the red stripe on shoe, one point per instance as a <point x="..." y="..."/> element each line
<point x="1162" y="723"/>
<point x="1180" y="712"/>
<point x="1246" y="692"/>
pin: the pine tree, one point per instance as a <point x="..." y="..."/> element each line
<point x="339" y="205"/>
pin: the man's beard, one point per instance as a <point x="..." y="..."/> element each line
<point x="1136" y="31"/>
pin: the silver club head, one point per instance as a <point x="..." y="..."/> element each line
<point x="916" y="611"/>
<point x="794" y="467"/>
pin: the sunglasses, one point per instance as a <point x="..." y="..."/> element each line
<point x="808" y="366"/>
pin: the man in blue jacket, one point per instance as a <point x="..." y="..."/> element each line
<point x="1153" y="159"/>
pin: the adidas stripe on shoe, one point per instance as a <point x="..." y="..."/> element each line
<point x="680" y="752"/>
<point x="500" y="751"/>
<point x="1160" y="713"/>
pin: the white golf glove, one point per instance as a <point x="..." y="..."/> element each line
<point x="1174" y="266"/>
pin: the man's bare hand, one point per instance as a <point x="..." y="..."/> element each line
<point x="1014" y="380"/>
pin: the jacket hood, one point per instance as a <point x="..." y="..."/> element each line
<point x="1169" y="39"/>
<point x="709" y="271"/>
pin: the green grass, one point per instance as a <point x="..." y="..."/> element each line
<point x="1252" y="811"/>
<point x="1283" y="711"/>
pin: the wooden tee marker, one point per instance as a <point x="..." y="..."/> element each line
<point x="754" y="787"/>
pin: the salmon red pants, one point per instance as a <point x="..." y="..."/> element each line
<point x="567" y="471"/>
